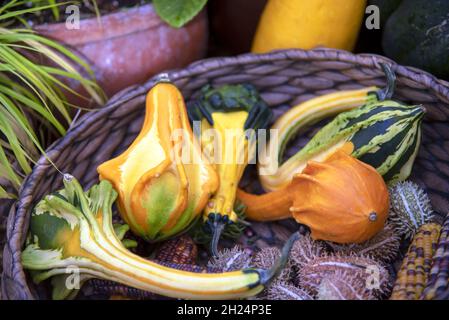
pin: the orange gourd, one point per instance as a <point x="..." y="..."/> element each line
<point x="340" y="199"/>
<point x="163" y="182"/>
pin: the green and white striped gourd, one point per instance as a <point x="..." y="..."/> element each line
<point x="385" y="134"/>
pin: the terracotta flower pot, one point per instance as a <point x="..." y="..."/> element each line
<point x="130" y="46"/>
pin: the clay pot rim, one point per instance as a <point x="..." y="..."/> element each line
<point x="97" y="31"/>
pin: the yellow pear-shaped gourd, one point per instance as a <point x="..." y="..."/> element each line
<point x="162" y="180"/>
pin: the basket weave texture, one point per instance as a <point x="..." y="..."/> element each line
<point x="284" y="79"/>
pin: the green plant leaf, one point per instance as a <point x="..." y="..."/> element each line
<point x="5" y="195"/>
<point x="7" y="171"/>
<point x="54" y="9"/>
<point x="178" y="12"/>
<point x="34" y="110"/>
<point x="16" y="13"/>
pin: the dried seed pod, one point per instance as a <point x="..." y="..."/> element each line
<point x="231" y="259"/>
<point x="344" y="286"/>
<point x="415" y="268"/>
<point x="265" y="259"/>
<point x="383" y="247"/>
<point x="410" y="208"/>
<point x="181" y="250"/>
<point x="306" y="249"/>
<point x="281" y="290"/>
<point x="437" y="286"/>
<point x="368" y="271"/>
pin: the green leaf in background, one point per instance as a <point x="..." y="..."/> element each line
<point x="178" y="12"/>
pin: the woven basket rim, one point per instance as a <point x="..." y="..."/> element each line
<point x="363" y="59"/>
<point x="15" y="236"/>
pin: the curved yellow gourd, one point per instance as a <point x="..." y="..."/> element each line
<point x="306" y="24"/>
<point x="73" y="228"/>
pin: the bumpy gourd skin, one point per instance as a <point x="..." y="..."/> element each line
<point x="162" y="180"/>
<point x="234" y="113"/>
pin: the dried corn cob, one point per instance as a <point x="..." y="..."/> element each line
<point x="105" y="288"/>
<point x="412" y="276"/>
<point x="437" y="286"/>
<point x="181" y="250"/>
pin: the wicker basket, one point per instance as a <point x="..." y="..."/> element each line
<point x="284" y="78"/>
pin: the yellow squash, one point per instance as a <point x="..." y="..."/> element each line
<point x="306" y="24"/>
<point x="229" y="117"/>
<point x="162" y="180"/>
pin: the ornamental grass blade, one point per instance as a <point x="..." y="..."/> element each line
<point x="33" y="106"/>
<point x="5" y="14"/>
<point x="5" y="195"/>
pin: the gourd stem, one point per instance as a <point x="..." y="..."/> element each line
<point x="217" y="230"/>
<point x="387" y="92"/>
<point x="163" y="78"/>
<point x="271" y="206"/>
<point x="266" y="276"/>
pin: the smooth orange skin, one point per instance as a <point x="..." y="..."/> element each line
<point x="271" y="206"/>
<point x="274" y="205"/>
<point x="337" y="198"/>
<point x="333" y="198"/>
